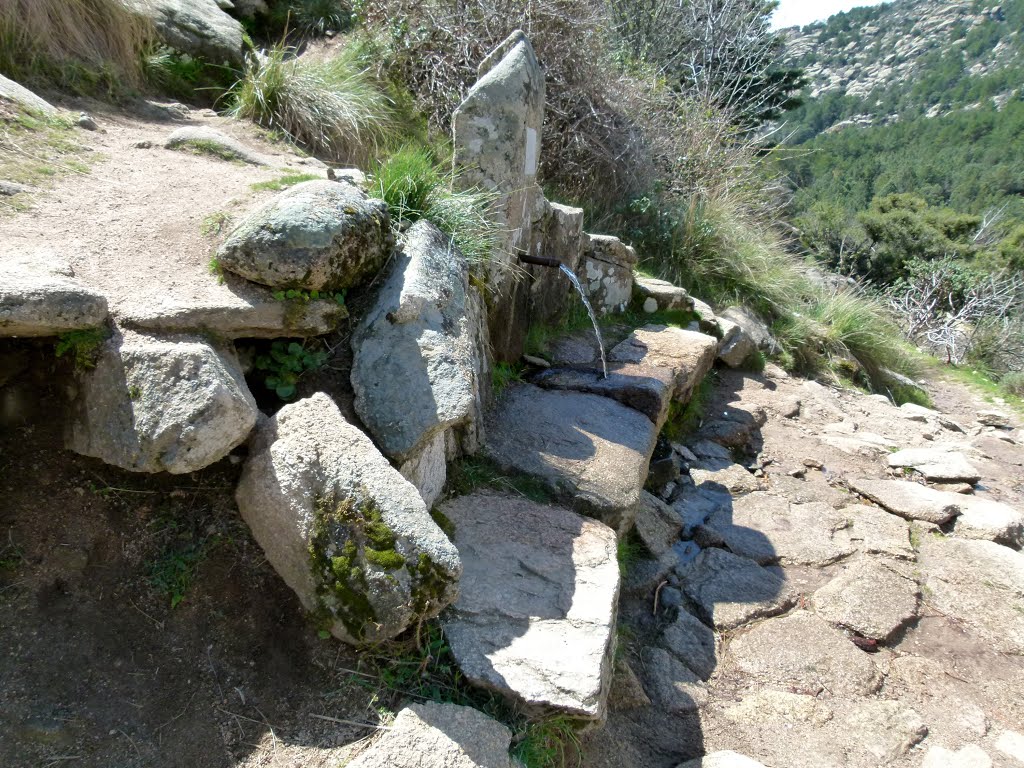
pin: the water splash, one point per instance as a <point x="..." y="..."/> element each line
<point x="590" y="311"/>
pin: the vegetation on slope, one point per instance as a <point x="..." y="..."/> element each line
<point x="78" y="45"/>
<point x="920" y="193"/>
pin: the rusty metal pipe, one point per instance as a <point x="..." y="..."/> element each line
<point x="542" y="261"/>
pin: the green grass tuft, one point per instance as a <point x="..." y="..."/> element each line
<point x="474" y="472"/>
<point x="551" y="743"/>
<point x="413" y="185"/>
<point x="283" y="182"/>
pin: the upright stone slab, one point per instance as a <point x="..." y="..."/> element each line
<point x="420" y="365"/>
<point x="342" y="527"/>
<point x="607" y="273"/>
<point x="535" y="616"/>
<point x="496" y="134"/>
<point x="588" y="448"/>
<point x="557" y="235"/>
<point x="155" y="404"/>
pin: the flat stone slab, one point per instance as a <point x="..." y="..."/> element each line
<point x="868" y="597"/>
<point x="724" y="759"/>
<point x="767" y="529"/>
<point x="435" y="735"/>
<point x="535" y="617"/>
<point x="876" y="532"/>
<point x="671" y="685"/>
<point x="729" y="590"/>
<point x="982" y="518"/>
<point x="779" y="707"/>
<point x="885" y="730"/>
<point x="692" y="642"/>
<point x="724" y="476"/>
<point x="590" y="448"/>
<point x="202" y="138"/>
<point x="803" y="654"/>
<point x="971" y="756"/>
<point x="979" y="583"/>
<point x="42" y="298"/>
<point x="910" y="500"/>
<point x="233" y="308"/>
<point x="936" y="464"/>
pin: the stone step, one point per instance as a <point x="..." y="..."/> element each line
<point x="589" y="449"/>
<point x="536" y="612"/>
<point x="652" y="367"/>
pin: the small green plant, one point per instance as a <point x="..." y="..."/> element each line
<point x="282" y="182"/>
<point x="756" y="361"/>
<point x="134" y="393"/>
<point x="504" y="374"/>
<point x="299" y="295"/>
<point x="11" y="555"/>
<point x="172" y="573"/>
<point x="629" y="551"/>
<point x="685" y="419"/>
<point x="214" y="224"/>
<point x="83" y="346"/>
<point x="313" y="18"/>
<point x="285" y="363"/>
<point x="1013" y="383"/>
<point x="551" y="743"/>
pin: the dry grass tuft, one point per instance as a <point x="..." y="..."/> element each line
<point x="81" y="44"/>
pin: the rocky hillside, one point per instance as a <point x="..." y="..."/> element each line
<point x="909" y="57"/>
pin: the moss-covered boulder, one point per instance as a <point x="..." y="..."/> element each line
<point x="315" y="236"/>
<point x="342" y="527"/>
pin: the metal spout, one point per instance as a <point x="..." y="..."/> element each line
<point x="542" y="261"/>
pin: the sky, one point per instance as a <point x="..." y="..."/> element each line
<point x="799" y="12"/>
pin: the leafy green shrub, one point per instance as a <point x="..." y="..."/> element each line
<point x="285" y="363"/>
<point x="1013" y="383"/>
<point x="332" y="106"/>
<point x="84" y="45"/>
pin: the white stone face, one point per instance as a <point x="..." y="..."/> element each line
<point x="531" y="152"/>
<point x="650" y="305"/>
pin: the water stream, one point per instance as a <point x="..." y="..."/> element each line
<point x="590" y="311"/>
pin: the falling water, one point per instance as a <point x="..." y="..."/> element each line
<point x="590" y="311"/>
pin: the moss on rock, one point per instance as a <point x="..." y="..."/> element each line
<point x="340" y="574"/>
